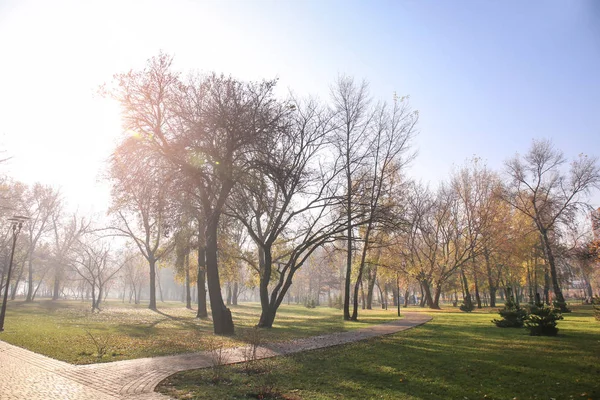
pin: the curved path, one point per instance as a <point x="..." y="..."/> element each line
<point x="28" y="375"/>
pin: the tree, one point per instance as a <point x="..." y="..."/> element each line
<point x="140" y="203"/>
<point x="539" y="189"/>
<point x="95" y="263"/>
<point x="351" y="104"/>
<point x="134" y="277"/>
<point x="66" y="236"/>
<point x="373" y="144"/>
<point x="476" y="190"/>
<point x="207" y="128"/>
<point x="392" y="131"/>
<point x="287" y="202"/>
<point x="39" y="203"/>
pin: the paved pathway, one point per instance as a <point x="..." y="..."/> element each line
<point x="27" y="375"/>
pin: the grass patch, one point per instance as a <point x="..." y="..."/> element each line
<point x="62" y="329"/>
<point x="455" y="356"/>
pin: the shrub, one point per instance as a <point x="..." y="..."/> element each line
<point x="219" y="357"/>
<point x="512" y="315"/>
<point x="250" y="353"/>
<point x="542" y="320"/>
<point x="310" y="303"/>
<point x="102" y="343"/>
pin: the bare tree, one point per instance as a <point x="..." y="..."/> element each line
<point x="66" y="235"/>
<point x="392" y="131"/>
<point x="207" y="128"/>
<point x="351" y="104"/>
<point x="286" y="202"/>
<point x="96" y="264"/>
<point x="39" y="203"/>
<point x="539" y="189"/>
<point x="140" y="203"/>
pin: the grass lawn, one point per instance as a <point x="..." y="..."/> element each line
<point x="59" y="328"/>
<point x="455" y="356"/>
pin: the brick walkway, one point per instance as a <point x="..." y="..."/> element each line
<point x="27" y="375"/>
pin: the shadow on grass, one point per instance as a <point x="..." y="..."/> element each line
<point x="455" y="356"/>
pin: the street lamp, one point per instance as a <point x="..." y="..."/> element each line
<point x="17" y="224"/>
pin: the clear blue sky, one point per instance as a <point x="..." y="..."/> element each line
<point x="486" y="76"/>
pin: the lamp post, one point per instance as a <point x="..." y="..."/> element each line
<point x="17" y="224"/>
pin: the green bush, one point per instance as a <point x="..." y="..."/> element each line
<point x="310" y="303"/>
<point x="512" y="315"/>
<point x="542" y="320"/>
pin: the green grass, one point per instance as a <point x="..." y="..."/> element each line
<point x="58" y="329"/>
<point x="455" y="356"/>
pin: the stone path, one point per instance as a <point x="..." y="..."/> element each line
<point x="27" y="375"/>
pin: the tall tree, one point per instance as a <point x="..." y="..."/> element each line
<point x="66" y="235"/>
<point x="140" y="203"/>
<point x="208" y="128"/>
<point x="286" y="203"/>
<point x="390" y="136"/>
<point x="541" y="190"/>
<point x="353" y="117"/>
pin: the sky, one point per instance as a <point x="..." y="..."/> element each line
<point x="486" y="76"/>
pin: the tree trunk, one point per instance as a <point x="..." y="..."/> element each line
<point x="477" y="296"/>
<point x="99" y="299"/>
<point x="395" y="295"/>
<point x="13" y="293"/>
<point x="491" y="283"/>
<point x="160" y="292"/>
<point x="406" y="296"/>
<point x="188" y="291"/>
<point x="362" y="295"/>
<point x="493" y="296"/>
<point x="234" y="298"/>
<point x="229" y="294"/>
<point x="371" y="286"/>
<point x="267" y="317"/>
<point x="94" y="307"/>
<point x="546" y="285"/>
<point x="427" y="295"/>
<point x="57" y="280"/>
<point x="383" y="296"/>
<point x="348" y="269"/>
<point x="435" y="305"/>
<point x="467" y="294"/>
<point x="152" y="263"/>
<point x="348" y="168"/>
<point x="138" y="296"/>
<point x="29" y="298"/>
<point x="201" y="281"/>
<point x="559" y="298"/>
<point x="423" y="299"/>
<point x="222" y="320"/>
<point x="265" y="265"/>
<point x="361" y="268"/>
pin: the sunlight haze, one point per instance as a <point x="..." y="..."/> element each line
<point x="487" y="77"/>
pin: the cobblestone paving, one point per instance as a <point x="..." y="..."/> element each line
<point x="25" y="375"/>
